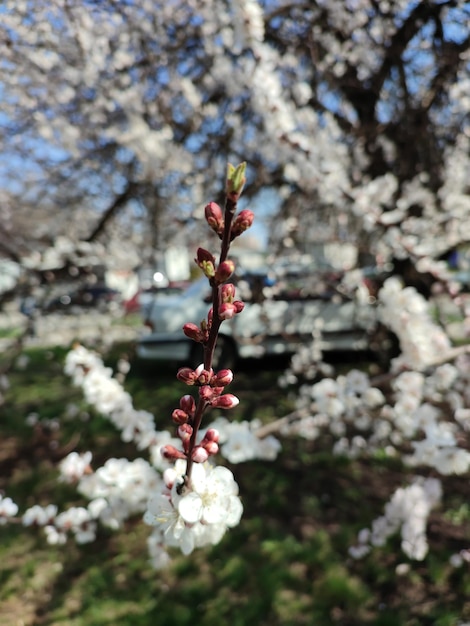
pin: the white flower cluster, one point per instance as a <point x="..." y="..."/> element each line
<point x="75" y="466"/>
<point x="420" y="414"/>
<point x="79" y="521"/>
<point x="8" y="509"/>
<point x="196" y="516"/>
<point x="339" y="405"/>
<point x="248" y="24"/>
<point x="442" y="224"/>
<point x="76" y="520"/>
<point x="414" y="421"/>
<point x="408" y="510"/>
<point x="239" y="442"/>
<point x="120" y="488"/>
<point x="108" y="396"/>
<point x="406" y="313"/>
<point x="116" y="491"/>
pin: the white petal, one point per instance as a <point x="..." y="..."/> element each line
<point x="198" y="478"/>
<point x="222" y="474"/>
<point x="234" y="514"/>
<point x="187" y="542"/>
<point x="159" y="504"/>
<point x="150" y="519"/>
<point x="175" y="531"/>
<point x="215" y="512"/>
<point x="190" y="508"/>
<point x="214" y="533"/>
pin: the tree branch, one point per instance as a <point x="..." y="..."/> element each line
<point x="110" y="212"/>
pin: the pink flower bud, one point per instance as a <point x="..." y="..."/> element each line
<point x="192" y="331"/>
<point x="206" y="262"/>
<point x="239" y="306"/>
<point x="185" y="431"/>
<point x="227" y="311"/>
<point x="179" y="416"/>
<point x="169" y="477"/>
<point x="214" y="217"/>
<point x="226" y="401"/>
<point x="227" y="293"/>
<point x="211" y="447"/>
<point x="224" y="271"/>
<point x="206" y="392"/>
<point x="199" y="455"/>
<point x="242" y="222"/>
<point x="171" y="453"/>
<point x="188" y="405"/>
<point x="222" y="378"/>
<point x="212" y="434"/>
<point x="204" y="255"/>
<point x="187" y="375"/>
<point x="204" y="377"/>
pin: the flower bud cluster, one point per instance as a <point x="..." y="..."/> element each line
<point x="242" y="222"/>
<point x="195" y="332"/>
<point x="186" y="410"/>
<point x="215" y="219"/>
<point x="203" y="378"/>
<point x="211" y="386"/>
<point x="228" y="306"/>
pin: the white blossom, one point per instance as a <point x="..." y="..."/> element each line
<point x="200" y="514"/>
<point x="39" y="516"/>
<point x="8" y="509"/>
<point x="407" y="511"/>
<point x="74" y="466"/>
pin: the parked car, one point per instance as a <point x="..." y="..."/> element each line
<point x="144" y="299"/>
<point x="277" y="318"/>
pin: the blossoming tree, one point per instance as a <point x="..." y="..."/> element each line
<point x="353" y="112"/>
<point x="357" y="108"/>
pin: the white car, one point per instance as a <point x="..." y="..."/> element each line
<point x="269" y="325"/>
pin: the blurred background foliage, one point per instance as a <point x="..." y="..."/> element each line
<point x="286" y="563"/>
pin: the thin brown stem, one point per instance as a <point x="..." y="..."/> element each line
<point x="200" y="409"/>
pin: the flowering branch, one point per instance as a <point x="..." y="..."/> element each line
<point x="199" y="502"/>
<point x="223" y="307"/>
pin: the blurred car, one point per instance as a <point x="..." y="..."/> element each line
<point x="100" y="297"/>
<point x="143" y="299"/>
<point x="278" y="317"/>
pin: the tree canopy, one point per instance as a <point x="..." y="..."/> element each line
<point x="352" y="111"/>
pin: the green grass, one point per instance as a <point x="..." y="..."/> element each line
<point x="10" y="332"/>
<point x="285" y="564"/>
